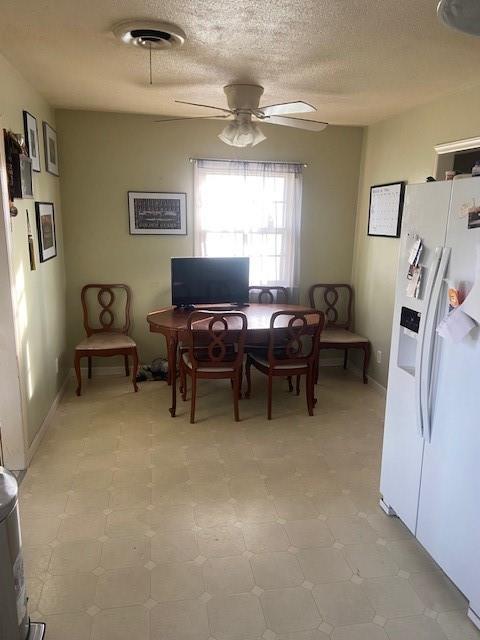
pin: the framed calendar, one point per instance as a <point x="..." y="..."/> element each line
<point x="385" y="209"/>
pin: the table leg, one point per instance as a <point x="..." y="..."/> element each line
<point x="172" y="344"/>
<point x="168" y="340"/>
<point x="172" y="372"/>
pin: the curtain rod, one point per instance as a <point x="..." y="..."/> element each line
<point x="303" y="164"/>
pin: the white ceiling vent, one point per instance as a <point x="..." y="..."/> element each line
<point x="150" y="34"/>
<point x="463" y="15"/>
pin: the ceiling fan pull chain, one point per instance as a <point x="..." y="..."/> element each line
<point x="150" y="61"/>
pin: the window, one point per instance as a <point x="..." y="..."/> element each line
<point x="250" y="209"/>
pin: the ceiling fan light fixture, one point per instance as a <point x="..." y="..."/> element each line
<point x="242" y="133"/>
<point x="463" y="15"/>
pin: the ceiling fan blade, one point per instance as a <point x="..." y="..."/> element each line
<point x="299" y="123"/>
<point x="207" y="106"/>
<point x="192" y="118"/>
<point x="287" y="107"/>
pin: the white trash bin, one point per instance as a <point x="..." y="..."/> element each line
<point x="14" y="621"/>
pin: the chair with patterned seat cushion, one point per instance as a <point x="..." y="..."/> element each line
<point x="293" y="344"/>
<point x="106" y="338"/>
<point x="336" y="300"/>
<point x="212" y="348"/>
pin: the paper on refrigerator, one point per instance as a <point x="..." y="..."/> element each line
<point x="459" y="322"/>
<point x="456" y="326"/>
<point x="471" y="304"/>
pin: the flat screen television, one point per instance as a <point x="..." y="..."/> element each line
<point x="197" y="281"/>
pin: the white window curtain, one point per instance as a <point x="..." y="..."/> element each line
<point x="251" y="209"/>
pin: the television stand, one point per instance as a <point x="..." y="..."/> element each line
<point x="184" y="307"/>
<point x="212" y="307"/>
<point x="220" y="307"/>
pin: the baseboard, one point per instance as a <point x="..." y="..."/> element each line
<point x="114" y="371"/>
<point x="120" y="370"/>
<point x="379" y="388"/>
<point x="46" y="422"/>
<point x="101" y="371"/>
<point x="330" y="362"/>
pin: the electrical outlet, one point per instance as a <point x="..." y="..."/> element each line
<point x="379" y="356"/>
<point x="56" y="365"/>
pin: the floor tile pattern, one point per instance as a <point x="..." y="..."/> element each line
<point x="136" y="525"/>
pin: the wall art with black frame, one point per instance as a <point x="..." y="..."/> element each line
<point x="385" y="209"/>
<point x="51" y="149"/>
<point x="31" y="139"/>
<point x="156" y="213"/>
<point x="47" y="236"/>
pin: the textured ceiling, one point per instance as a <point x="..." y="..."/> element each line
<point x="357" y="61"/>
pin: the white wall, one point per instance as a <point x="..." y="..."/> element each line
<point x="400" y="148"/>
<point x="39" y="296"/>
<point x="12" y="432"/>
<point x="104" y="155"/>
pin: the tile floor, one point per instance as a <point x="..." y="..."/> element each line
<point x="137" y="526"/>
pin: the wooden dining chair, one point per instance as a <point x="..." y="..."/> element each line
<point x="268" y="295"/>
<point x="106" y="338"/>
<point x="293" y="344"/>
<point x="213" y="348"/>
<point x="336" y="300"/>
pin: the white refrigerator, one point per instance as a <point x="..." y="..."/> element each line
<point x="430" y="474"/>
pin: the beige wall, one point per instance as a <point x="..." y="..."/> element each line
<point x="104" y="155"/>
<point x="399" y="148"/>
<point x="40" y="294"/>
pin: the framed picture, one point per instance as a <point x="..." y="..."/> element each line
<point x="157" y="213"/>
<point x="24" y="181"/>
<point x="22" y="176"/>
<point x="51" y="149"/>
<point x="385" y="210"/>
<point x="31" y="139"/>
<point x="47" y="237"/>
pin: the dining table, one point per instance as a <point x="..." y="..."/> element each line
<point x="171" y="322"/>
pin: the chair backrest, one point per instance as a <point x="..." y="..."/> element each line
<point x="294" y="337"/>
<point x="335" y="300"/>
<point x="268" y="295"/>
<point x="112" y="302"/>
<point x="216" y="338"/>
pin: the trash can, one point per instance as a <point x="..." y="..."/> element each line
<point x="14" y="620"/>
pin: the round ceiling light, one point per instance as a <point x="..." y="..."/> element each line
<point x="463" y="15"/>
<point x="149" y="34"/>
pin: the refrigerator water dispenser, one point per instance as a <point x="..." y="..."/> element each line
<point x="407" y="341"/>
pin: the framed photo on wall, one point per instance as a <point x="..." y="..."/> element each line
<point x="153" y="213"/>
<point x="385" y="209"/>
<point x="51" y="149"/>
<point x="31" y="139"/>
<point x="47" y="237"/>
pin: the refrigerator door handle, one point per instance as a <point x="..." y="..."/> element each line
<point x="419" y="362"/>
<point x="429" y="345"/>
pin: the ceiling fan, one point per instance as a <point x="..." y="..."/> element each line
<point x="243" y="105"/>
